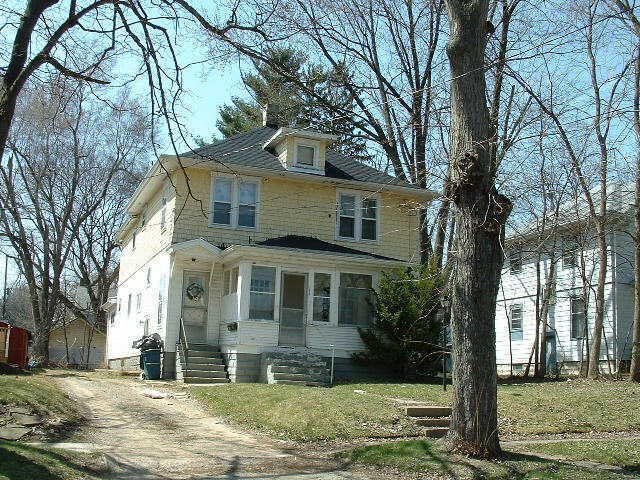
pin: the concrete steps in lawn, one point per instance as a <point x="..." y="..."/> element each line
<point x="201" y="363"/>
<point x="434" y="419"/>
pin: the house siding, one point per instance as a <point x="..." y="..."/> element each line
<point x="77" y="338"/>
<point x="520" y="288"/>
<point x="289" y="207"/>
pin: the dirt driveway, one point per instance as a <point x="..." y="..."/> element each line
<point x="174" y="438"/>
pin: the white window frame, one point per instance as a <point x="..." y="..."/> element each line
<point x="359" y="196"/>
<point x="235" y="204"/>
<point x="374" y="285"/>
<point x="574" y="252"/>
<point x="276" y="293"/>
<point x="129" y="305"/>
<point x="148" y="278"/>
<point x="517" y="256"/>
<point x="573" y="298"/>
<point x="520" y="330"/>
<point x="332" y="297"/>
<point x="138" y="302"/>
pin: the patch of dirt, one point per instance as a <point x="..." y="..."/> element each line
<point x="175" y="438"/>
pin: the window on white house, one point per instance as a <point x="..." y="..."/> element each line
<point x="235" y="203"/>
<point x="347" y="216"/>
<point x="358" y="217"/>
<point x="222" y="200"/>
<point x="160" y="301"/>
<point x="569" y="258"/>
<point x="515" y="314"/>
<point x="226" y="280"/>
<point x="119" y="304"/>
<point x="133" y="240"/>
<point x="304" y="155"/>
<point x="262" y="293"/>
<point x="143" y="221"/>
<point x="112" y="318"/>
<point x="129" y="305"/>
<point x="355" y="299"/>
<point x="163" y="214"/>
<point x="247" y="199"/>
<point x="234" y="281"/>
<point x="148" y="280"/>
<point x="321" y="297"/>
<point x="138" y="302"/>
<point x="515" y="262"/>
<point x="369" y="218"/>
<point x="578" y="317"/>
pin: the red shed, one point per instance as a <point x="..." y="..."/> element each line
<point x="14" y="344"/>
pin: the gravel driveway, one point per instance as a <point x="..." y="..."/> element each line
<point x="175" y="438"/>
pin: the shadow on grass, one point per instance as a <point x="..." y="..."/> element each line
<point x="19" y="461"/>
<point x="424" y="456"/>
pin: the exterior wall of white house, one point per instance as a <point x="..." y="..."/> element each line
<point x="520" y="289"/>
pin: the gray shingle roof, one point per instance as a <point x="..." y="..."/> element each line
<point x="312" y="243"/>
<point x="245" y="149"/>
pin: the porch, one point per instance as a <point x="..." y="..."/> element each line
<point x="252" y="299"/>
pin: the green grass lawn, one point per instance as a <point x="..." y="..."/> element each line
<point x="423" y="457"/>
<point x="314" y="414"/>
<point x="40" y="393"/>
<point x="623" y="453"/>
<point x="20" y="461"/>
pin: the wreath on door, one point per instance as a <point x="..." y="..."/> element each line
<point x="194" y="291"/>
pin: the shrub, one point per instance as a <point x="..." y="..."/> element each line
<point x="406" y="331"/>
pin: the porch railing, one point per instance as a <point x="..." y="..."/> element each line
<point x="184" y="343"/>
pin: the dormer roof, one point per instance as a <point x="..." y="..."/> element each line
<point x="285" y="132"/>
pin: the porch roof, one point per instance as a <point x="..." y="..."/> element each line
<point x="301" y="242"/>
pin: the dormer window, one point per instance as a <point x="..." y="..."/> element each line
<point x="301" y="151"/>
<point x="305" y="155"/>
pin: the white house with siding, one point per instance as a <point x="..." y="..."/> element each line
<point x="265" y="243"/>
<point x="568" y="241"/>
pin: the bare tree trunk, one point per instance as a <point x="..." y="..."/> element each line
<point x="634" y="372"/>
<point x="481" y="215"/>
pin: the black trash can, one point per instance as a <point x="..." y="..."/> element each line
<point x="150" y="363"/>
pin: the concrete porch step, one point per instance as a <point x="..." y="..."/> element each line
<point x="433" y="422"/>
<point x="436" y="432"/>
<point x="292" y="376"/>
<point x="428" y="411"/>
<point x="205" y="380"/>
<point x="202" y="353"/>
<point x="203" y="347"/>
<point x="204" y="366"/>
<point x="203" y="360"/>
<point x="205" y="373"/>
<point x="298" y="364"/>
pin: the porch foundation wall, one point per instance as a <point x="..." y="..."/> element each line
<point x="242" y="367"/>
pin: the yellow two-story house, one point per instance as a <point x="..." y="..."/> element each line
<point x="267" y="241"/>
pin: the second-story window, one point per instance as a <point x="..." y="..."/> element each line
<point x="515" y="262"/>
<point x="234" y="203"/>
<point x="358" y="217"/>
<point x="569" y="258"/>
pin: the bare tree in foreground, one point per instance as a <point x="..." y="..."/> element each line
<point x="66" y="156"/>
<point x="481" y="216"/>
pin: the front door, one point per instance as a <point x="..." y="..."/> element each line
<point x="195" y="299"/>
<point x="292" y="309"/>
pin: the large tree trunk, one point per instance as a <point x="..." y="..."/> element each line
<point x="481" y="216"/>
